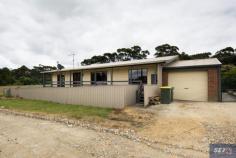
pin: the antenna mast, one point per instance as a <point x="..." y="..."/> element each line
<point x="73" y="55"/>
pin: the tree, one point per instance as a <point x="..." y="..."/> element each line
<point x="86" y="62"/>
<point x="228" y="78"/>
<point x="166" y="50"/>
<point x="6" y="77"/>
<point x="226" y="55"/>
<point x="138" y="53"/>
<point x="36" y="75"/>
<point x="184" y="56"/>
<point x="99" y="59"/>
<point x="20" y="72"/>
<point x="23" y="75"/>
<point x="111" y="57"/>
<point x="26" y="76"/>
<point x="122" y="54"/>
<point x="205" y="55"/>
<point x="25" y="81"/>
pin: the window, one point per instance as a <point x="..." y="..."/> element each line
<point x="93" y="78"/>
<point x="76" y="79"/>
<point x="153" y="78"/>
<point x="99" y="77"/>
<point x="60" y="80"/>
<point x="138" y="75"/>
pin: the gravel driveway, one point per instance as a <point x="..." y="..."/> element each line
<point x="22" y="137"/>
<point x="187" y="128"/>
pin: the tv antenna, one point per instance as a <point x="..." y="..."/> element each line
<point x="73" y="56"/>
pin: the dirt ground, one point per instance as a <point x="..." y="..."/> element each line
<point x="22" y="137"/>
<point x="181" y="129"/>
<point x="187" y="128"/>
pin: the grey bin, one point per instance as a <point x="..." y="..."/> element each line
<point x="167" y="95"/>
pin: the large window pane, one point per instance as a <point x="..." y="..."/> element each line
<point x="93" y="78"/>
<point x="138" y="75"/>
<point x="134" y="75"/>
<point x="144" y="76"/>
<point x="99" y="77"/>
<point x="144" y="72"/>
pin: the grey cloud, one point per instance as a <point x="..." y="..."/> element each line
<point x="46" y="31"/>
<point x="230" y="11"/>
<point x="64" y="8"/>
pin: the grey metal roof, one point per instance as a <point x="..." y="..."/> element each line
<point x="194" y="63"/>
<point x="166" y="60"/>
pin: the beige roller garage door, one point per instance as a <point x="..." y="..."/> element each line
<point x="189" y="85"/>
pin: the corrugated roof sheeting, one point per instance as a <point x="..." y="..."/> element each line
<point x="194" y="63"/>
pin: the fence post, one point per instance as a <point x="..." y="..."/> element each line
<point x="70" y="78"/>
<point x="43" y="81"/>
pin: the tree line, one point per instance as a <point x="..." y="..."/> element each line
<point x="226" y="55"/>
<point x="122" y="54"/>
<point x="23" y="75"/>
<point x="26" y="76"/>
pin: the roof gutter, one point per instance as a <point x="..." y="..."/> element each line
<point x="192" y="66"/>
<point x="103" y="67"/>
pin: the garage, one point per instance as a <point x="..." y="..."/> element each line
<point x="189" y="85"/>
<point x="194" y="80"/>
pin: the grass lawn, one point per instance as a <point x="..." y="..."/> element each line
<point x="75" y="111"/>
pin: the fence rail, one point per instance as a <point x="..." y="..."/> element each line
<point x="81" y="83"/>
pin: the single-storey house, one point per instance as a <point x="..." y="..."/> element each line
<point x="194" y="80"/>
<point x="123" y="83"/>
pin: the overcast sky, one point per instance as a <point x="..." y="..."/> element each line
<point x="36" y="32"/>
